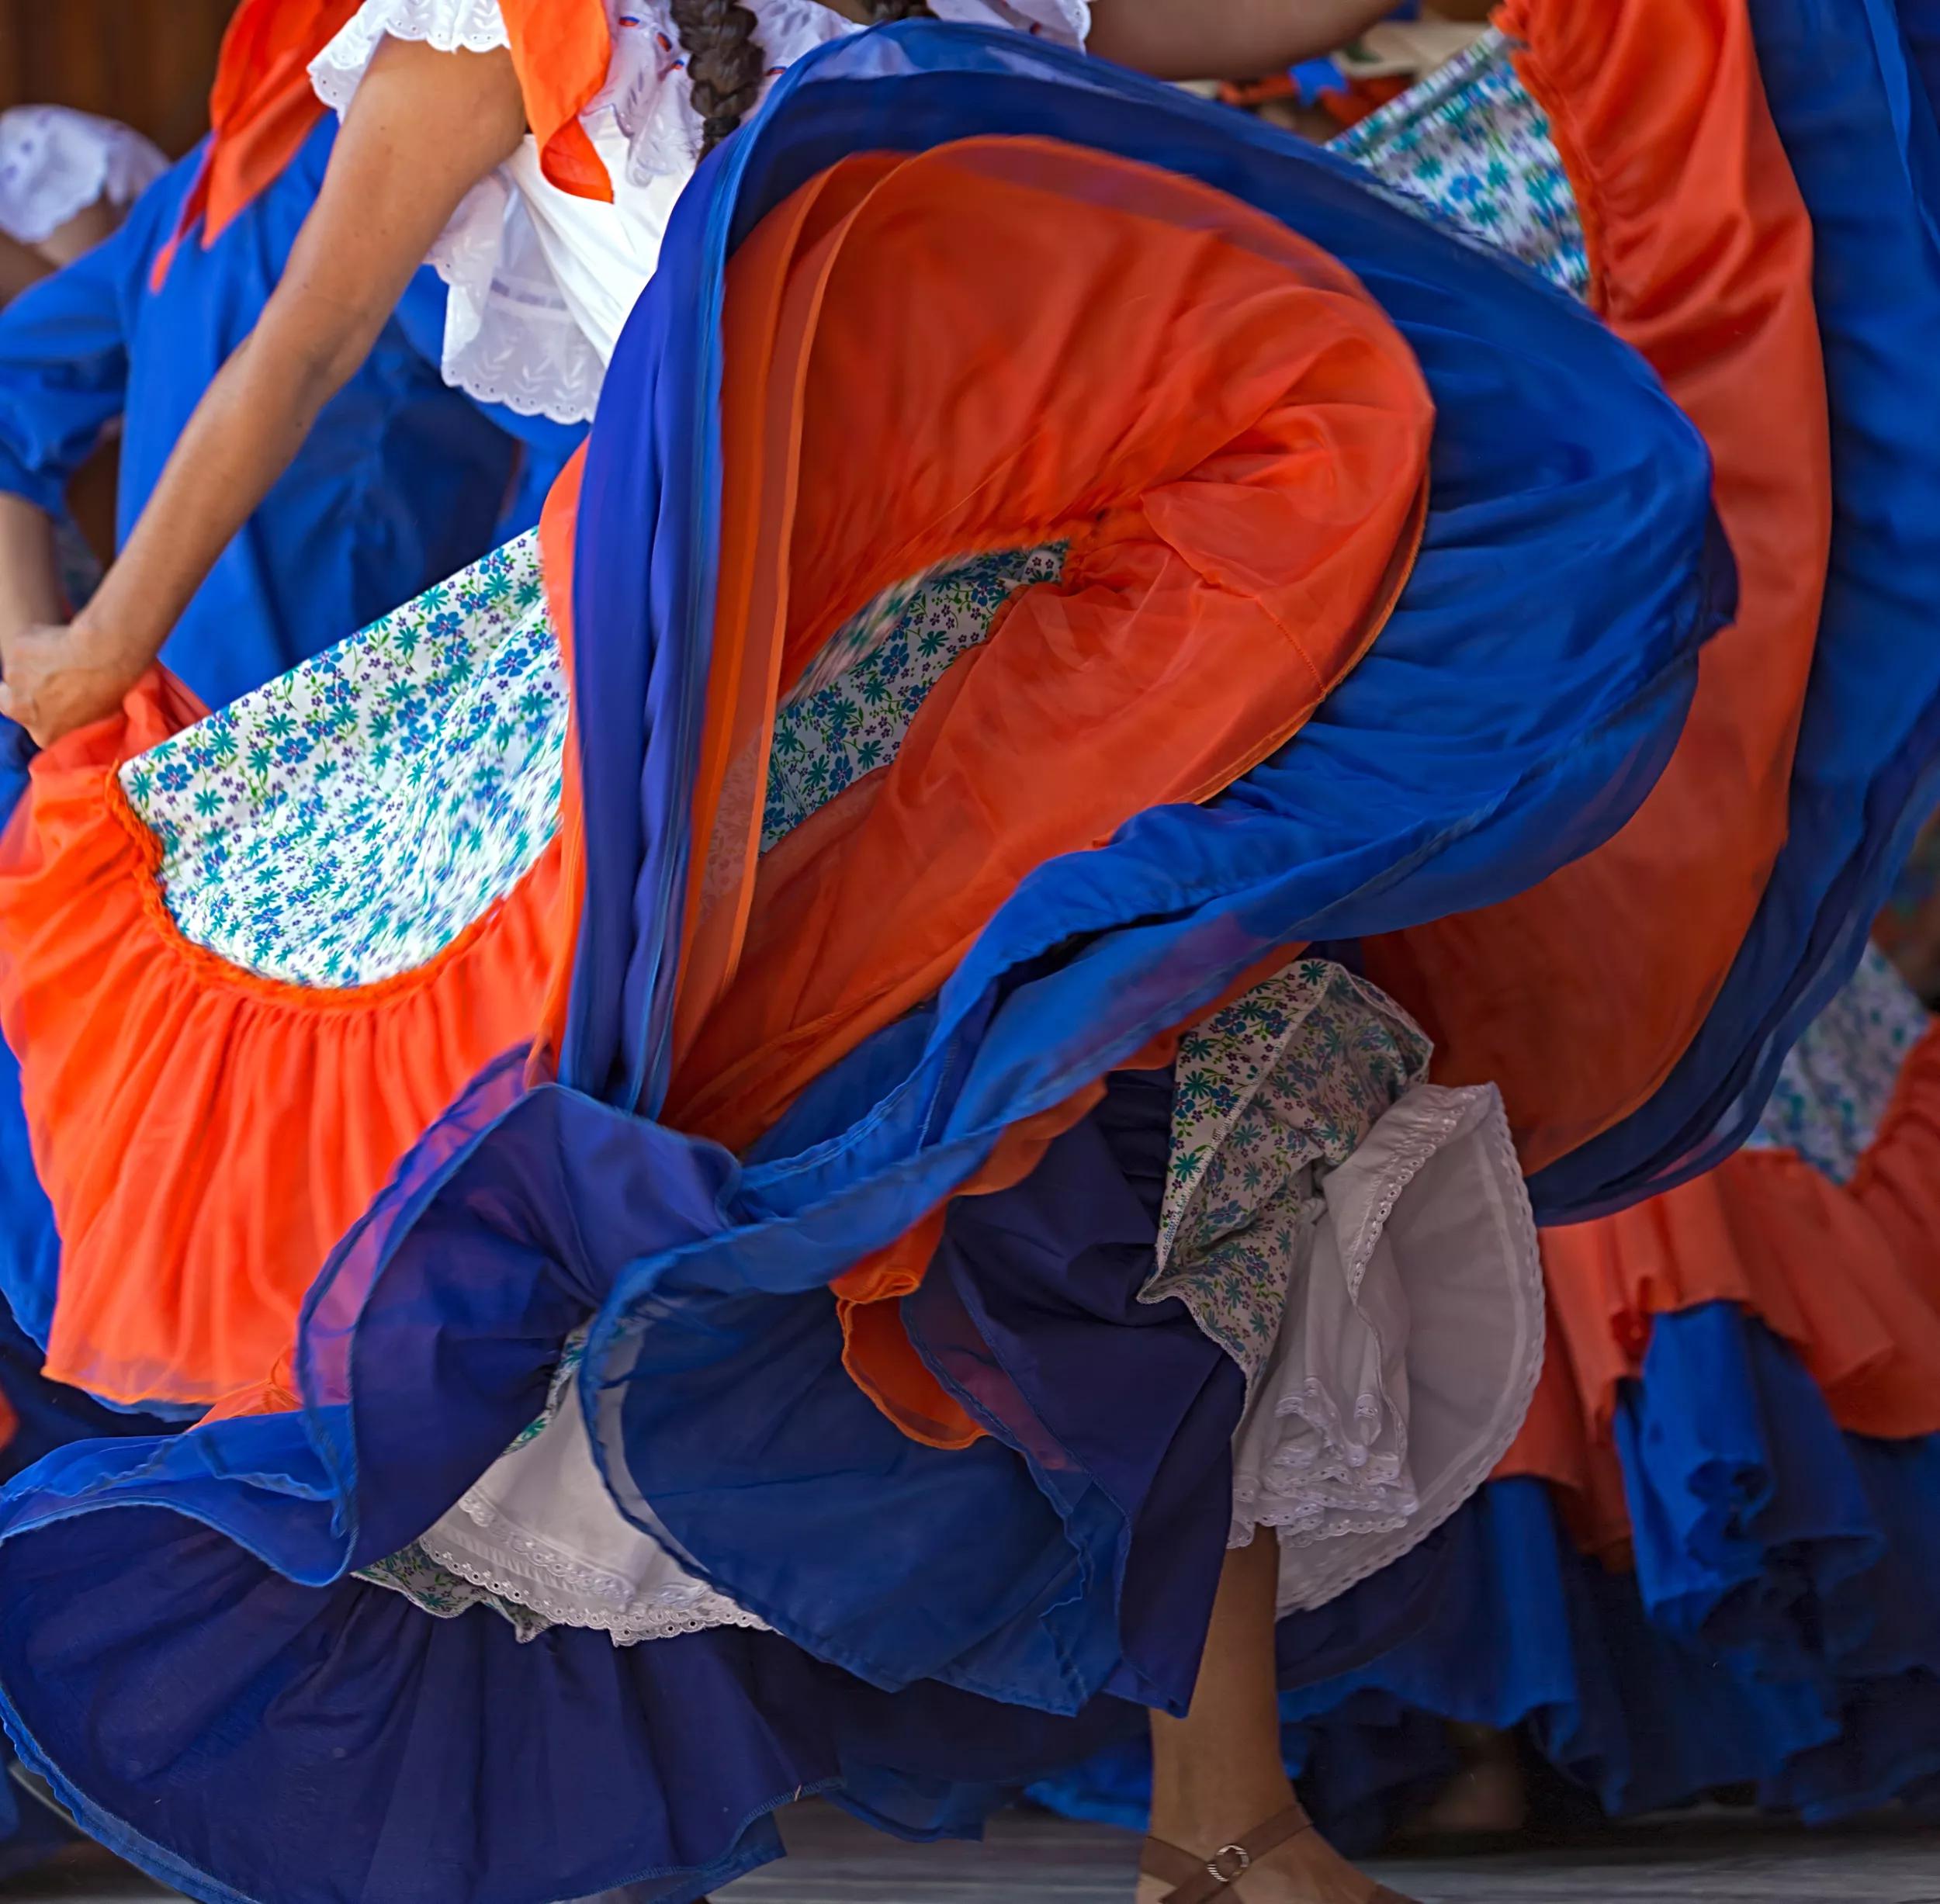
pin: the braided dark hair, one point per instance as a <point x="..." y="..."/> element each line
<point x="725" y="64"/>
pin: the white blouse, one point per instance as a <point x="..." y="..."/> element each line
<point x="542" y="282"/>
<point x="55" y="163"/>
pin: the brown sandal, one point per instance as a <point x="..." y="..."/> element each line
<point x="1206" y="1880"/>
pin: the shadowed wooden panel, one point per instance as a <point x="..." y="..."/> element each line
<point x="146" y="62"/>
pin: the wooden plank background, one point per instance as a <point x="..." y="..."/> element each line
<point x="146" y="62"/>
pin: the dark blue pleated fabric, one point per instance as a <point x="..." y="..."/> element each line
<point x="1778" y="1630"/>
<point x="171" y="1672"/>
<point x="1858" y="125"/>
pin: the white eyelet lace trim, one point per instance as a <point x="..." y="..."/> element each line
<point x="449" y="25"/>
<point x="510" y="338"/>
<point x="535" y="1575"/>
<point x="1423" y="1142"/>
<point x="547" y="1560"/>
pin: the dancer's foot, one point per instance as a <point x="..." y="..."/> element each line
<point x="1283" y="1861"/>
<point x="1487" y="1798"/>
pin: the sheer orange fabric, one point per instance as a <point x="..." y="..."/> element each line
<point x="1702" y="256"/>
<point x="204" y="1136"/>
<point x="278" y="1036"/>
<point x="1230" y="557"/>
<point x="1240" y="511"/>
<point x="1848" y="1274"/>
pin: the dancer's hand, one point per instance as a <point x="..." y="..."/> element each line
<point x="53" y="679"/>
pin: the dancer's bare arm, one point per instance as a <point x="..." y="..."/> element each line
<point x="1226" y="39"/>
<point x="425" y="126"/>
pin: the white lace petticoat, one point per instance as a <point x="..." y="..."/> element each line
<point x="1395" y="1368"/>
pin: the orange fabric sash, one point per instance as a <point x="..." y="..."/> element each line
<point x="262" y="106"/>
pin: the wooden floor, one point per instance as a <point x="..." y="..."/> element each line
<point x="1033" y="1860"/>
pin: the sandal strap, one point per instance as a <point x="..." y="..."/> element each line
<point x="1203" y="1880"/>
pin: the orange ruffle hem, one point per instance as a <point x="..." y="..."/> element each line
<point x="1848" y="1274"/>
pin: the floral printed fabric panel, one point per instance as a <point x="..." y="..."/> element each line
<point x="437" y="1590"/>
<point x="1837" y="1080"/>
<point x="1470" y="143"/>
<point x="1272" y="1092"/>
<point x="854" y="707"/>
<point x="348" y="821"/>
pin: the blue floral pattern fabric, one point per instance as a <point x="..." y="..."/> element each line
<point x="1280" y="1086"/>
<point x="1471" y="144"/>
<point x="1837" y="1080"/>
<point x="348" y="821"/>
<point x="436" y="1589"/>
<point x="855" y="707"/>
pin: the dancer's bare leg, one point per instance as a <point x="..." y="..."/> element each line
<point x="1218" y="1774"/>
<point x="1487" y="1798"/>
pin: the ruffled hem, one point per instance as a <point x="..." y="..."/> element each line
<point x="533" y="1573"/>
<point x="507" y="1773"/>
<point x="474" y="1766"/>
<point x="1777" y="1630"/>
<point x="1070" y="1555"/>
<point x="54" y="163"/>
<point x="1848" y="1275"/>
<point x="206" y="1075"/>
